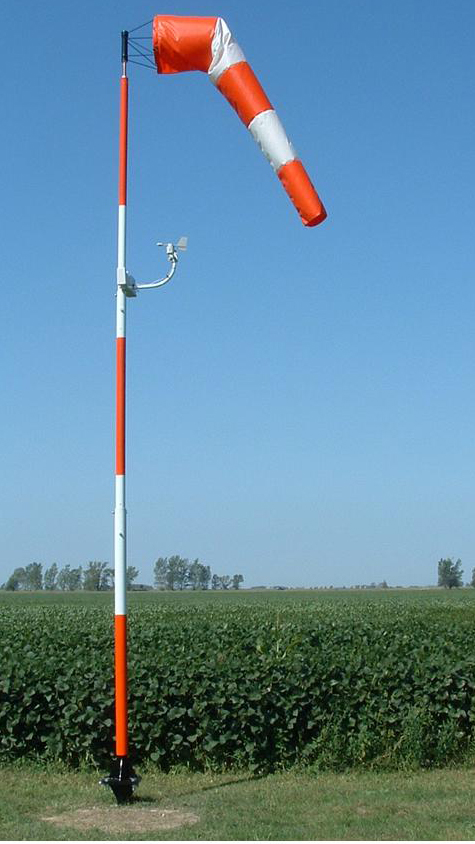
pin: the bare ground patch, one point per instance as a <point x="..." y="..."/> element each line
<point x="117" y="820"/>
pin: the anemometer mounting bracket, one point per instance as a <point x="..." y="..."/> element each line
<point x="127" y="282"/>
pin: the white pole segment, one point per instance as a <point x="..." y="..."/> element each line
<point x="121" y="311"/>
<point x="121" y="239"/>
<point x="120" y="547"/>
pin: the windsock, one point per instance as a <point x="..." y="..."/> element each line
<point x="206" y="44"/>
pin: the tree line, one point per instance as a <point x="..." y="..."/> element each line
<point x="173" y="573"/>
<point x="170" y="573"/>
<point x="96" y="576"/>
<point x="178" y="573"/>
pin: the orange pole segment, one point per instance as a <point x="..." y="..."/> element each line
<point x="124" y="89"/>
<point x="121" y="737"/>
<point x="120" y="408"/>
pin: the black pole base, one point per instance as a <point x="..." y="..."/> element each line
<point x="122" y="780"/>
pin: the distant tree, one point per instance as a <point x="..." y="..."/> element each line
<point x="63" y="578"/>
<point x="33" y="577"/>
<point x="177" y="572"/>
<point x="172" y="572"/>
<point x="199" y="575"/>
<point x="160" y="573"/>
<point x="97" y="577"/>
<point x="215" y="582"/>
<point x="472" y="582"/>
<point x="449" y="573"/>
<point x="225" y="581"/>
<point x="69" y="580"/>
<point x="194" y="572"/>
<point x="16" y="581"/>
<point x="50" y="578"/>
<point x="131" y="575"/>
<point x="205" y="576"/>
<point x="75" y="579"/>
<point x="237" y="580"/>
<point x="183" y="572"/>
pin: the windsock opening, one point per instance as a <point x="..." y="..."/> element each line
<point x="206" y="44"/>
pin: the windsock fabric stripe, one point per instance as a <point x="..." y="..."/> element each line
<point x="182" y="43"/>
<point x="300" y="190"/>
<point x="224" y="50"/>
<point x="269" y="134"/>
<point x="243" y="91"/>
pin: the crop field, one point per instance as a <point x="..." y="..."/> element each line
<point x="247" y="680"/>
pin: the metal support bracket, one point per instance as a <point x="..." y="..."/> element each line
<point x="126" y="282"/>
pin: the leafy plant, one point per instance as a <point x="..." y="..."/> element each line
<point x="329" y="684"/>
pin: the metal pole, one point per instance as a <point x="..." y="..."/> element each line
<point x="122" y="779"/>
<point x="120" y="547"/>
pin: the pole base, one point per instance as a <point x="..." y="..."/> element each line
<point x="122" y="780"/>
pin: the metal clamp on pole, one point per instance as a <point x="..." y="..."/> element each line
<point x="126" y="282"/>
<point x="125" y="48"/>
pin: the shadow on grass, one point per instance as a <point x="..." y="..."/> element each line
<point x="216" y="786"/>
<point x="143" y="801"/>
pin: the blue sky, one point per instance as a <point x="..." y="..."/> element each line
<point x="300" y="402"/>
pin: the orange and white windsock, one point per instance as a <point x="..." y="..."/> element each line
<point x="206" y="44"/>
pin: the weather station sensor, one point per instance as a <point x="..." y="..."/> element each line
<point x="127" y="282"/>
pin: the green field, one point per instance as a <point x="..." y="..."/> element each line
<point x="262" y="681"/>
<point x="249" y="597"/>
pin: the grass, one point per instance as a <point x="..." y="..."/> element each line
<point x="427" y="805"/>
